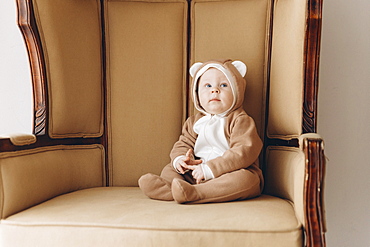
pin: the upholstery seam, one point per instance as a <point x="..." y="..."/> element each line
<point x="12" y="223"/>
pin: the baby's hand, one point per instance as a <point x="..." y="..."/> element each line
<point x="183" y="165"/>
<point x="197" y="173"/>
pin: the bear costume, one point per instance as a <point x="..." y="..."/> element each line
<point x="227" y="144"/>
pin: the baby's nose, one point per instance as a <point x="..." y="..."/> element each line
<point x="215" y="90"/>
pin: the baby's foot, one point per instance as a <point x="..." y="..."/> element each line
<point x="155" y="187"/>
<point x="184" y="192"/>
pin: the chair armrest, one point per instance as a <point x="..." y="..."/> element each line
<point x="284" y="173"/>
<point x="297" y="174"/>
<point x="20" y="139"/>
<point x="31" y="176"/>
<point x="315" y="165"/>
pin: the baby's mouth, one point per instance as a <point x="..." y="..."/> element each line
<point x="212" y="100"/>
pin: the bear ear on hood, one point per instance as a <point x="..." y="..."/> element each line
<point x="194" y="68"/>
<point x="241" y="67"/>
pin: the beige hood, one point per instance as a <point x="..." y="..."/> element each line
<point x="234" y="72"/>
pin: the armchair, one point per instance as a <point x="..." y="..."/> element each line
<point x="111" y="93"/>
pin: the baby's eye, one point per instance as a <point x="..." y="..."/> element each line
<point x="224" y="85"/>
<point x="208" y="85"/>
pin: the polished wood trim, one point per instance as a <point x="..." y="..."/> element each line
<point x="313" y="148"/>
<point x="28" y="27"/>
<point x="313" y="192"/>
<point x="312" y="57"/>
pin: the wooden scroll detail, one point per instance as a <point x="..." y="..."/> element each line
<point x="312" y="56"/>
<point x="314" y="205"/>
<point x="27" y="25"/>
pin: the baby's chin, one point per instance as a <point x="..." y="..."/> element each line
<point x="216" y="112"/>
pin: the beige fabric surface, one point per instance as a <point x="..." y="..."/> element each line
<point x="287" y="77"/>
<point x="70" y="32"/>
<point x="125" y="217"/>
<point x="285" y="176"/>
<point x="33" y="176"/>
<point x="235" y="30"/>
<point x="146" y="70"/>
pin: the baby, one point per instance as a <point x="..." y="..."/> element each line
<point x="216" y="156"/>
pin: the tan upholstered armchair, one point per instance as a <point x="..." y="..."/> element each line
<point x="110" y="95"/>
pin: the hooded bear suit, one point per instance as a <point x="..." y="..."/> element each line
<point x="228" y="145"/>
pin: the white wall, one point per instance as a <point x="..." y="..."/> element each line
<point x="344" y="120"/>
<point x="344" y="115"/>
<point x="15" y="83"/>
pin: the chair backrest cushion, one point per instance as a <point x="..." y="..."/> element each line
<point x="236" y="30"/>
<point x="148" y="46"/>
<point x="287" y="70"/>
<point x="70" y="32"/>
<point x="146" y="82"/>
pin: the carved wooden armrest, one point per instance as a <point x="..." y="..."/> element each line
<point x="313" y="147"/>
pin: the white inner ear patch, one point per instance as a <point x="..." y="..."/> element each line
<point x="241" y="67"/>
<point x="194" y="68"/>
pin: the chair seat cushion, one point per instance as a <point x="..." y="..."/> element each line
<point x="123" y="216"/>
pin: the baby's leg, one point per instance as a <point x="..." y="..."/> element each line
<point x="159" y="187"/>
<point x="237" y="185"/>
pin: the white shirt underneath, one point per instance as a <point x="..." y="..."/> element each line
<point x="211" y="142"/>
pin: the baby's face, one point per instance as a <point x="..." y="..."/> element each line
<point x="214" y="92"/>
